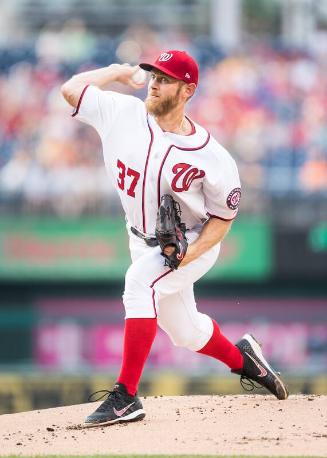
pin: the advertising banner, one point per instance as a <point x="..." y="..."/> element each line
<point x="74" y="334"/>
<point x="97" y="249"/>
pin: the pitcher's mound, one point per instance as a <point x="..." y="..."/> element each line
<point x="189" y="425"/>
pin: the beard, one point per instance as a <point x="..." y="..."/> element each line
<point x="161" y="107"/>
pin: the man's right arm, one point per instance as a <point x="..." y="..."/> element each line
<point x="102" y="77"/>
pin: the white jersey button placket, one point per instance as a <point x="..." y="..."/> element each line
<point x="151" y="200"/>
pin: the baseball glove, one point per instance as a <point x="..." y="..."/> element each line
<point x="170" y="231"/>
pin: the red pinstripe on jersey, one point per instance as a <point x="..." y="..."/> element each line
<point x="80" y="100"/>
<point x="223" y="219"/>
<point x="144" y="176"/>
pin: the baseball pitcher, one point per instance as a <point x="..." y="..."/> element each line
<point x="180" y="191"/>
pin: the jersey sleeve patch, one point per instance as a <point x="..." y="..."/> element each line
<point x="233" y="198"/>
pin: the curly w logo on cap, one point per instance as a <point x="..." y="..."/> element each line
<point x="165" y="56"/>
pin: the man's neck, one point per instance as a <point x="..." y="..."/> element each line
<point x="175" y="123"/>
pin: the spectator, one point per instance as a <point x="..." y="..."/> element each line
<point x="267" y="107"/>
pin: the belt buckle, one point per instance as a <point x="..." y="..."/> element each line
<point x="151" y="242"/>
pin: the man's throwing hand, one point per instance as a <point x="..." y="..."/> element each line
<point x="130" y="75"/>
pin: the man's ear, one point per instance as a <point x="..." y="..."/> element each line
<point x="189" y="90"/>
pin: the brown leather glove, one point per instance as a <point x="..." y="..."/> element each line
<point x="170" y="231"/>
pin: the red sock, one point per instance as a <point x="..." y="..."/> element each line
<point x="138" y="338"/>
<point x="221" y="348"/>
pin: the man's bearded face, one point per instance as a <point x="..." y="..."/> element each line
<point x="160" y="104"/>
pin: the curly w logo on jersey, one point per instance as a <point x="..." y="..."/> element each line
<point x="185" y="175"/>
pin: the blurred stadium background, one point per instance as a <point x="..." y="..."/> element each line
<point x="63" y="250"/>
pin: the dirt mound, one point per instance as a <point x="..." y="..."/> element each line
<point x="212" y="425"/>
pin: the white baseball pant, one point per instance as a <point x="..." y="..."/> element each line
<point x="152" y="289"/>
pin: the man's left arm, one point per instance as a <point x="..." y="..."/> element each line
<point x="213" y="231"/>
<point x="222" y="192"/>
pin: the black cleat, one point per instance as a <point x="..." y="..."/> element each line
<point x="119" y="407"/>
<point x="256" y="369"/>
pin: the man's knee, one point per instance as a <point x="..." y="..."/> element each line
<point x="192" y="334"/>
<point x="183" y="339"/>
<point x="181" y="336"/>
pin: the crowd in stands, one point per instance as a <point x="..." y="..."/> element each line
<point x="267" y="106"/>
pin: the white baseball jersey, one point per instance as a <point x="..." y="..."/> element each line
<point x="145" y="162"/>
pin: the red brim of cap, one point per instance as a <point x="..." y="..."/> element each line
<point x="149" y="67"/>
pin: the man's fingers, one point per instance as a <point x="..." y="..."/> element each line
<point x="169" y="250"/>
<point x="135" y="85"/>
<point x="126" y="76"/>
